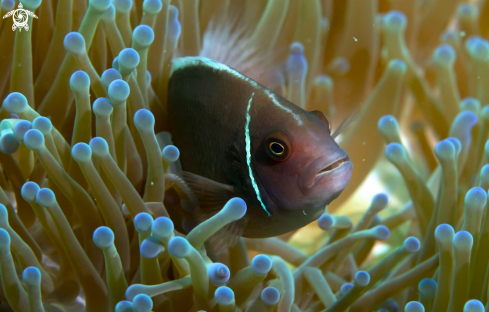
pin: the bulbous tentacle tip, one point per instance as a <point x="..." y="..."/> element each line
<point x="474" y="306"/>
<point x="151" y="247"/>
<point x="110" y="75"/>
<point x="324" y="80"/>
<point x="7" y="5"/>
<point x="103" y="237"/>
<point x="325" y="221"/>
<point x="15" y="103"/>
<point x="362" y="278"/>
<point x="115" y="63"/>
<point x="456" y="142"/>
<point x="388" y="124"/>
<point x="4" y="241"/>
<point x="261" y="264"/>
<point x="34" y="139"/>
<point x="444" y="233"/>
<point x="379" y="202"/>
<point x="463" y="123"/>
<point x="179" y="247"/>
<point x="477" y="47"/>
<point x="462" y="240"/>
<point x="414" y="306"/>
<point x="102" y="107"/>
<point x="124" y="306"/>
<point x="162" y="227"/>
<point x="345" y="288"/>
<point x="470" y="41"/>
<point x="129" y="58"/>
<point x="450" y="36"/>
<point x="218" y="273"/>
<point x="144" y="120"/>
<point x="142" y="303"/>
<point x="74" y="43"/>
<point x="445" y="150"/>
<point x="32" y="276"/>
<point x="270" y="296"/>
<point x="29" y="191"/>
<point x="411" y="244"/>
<point x="445" y="55"/>
<point x="397" y="66"/>
<point x="21" y="128"/>
<point x="297" y="63"/>
<point x="118" y="91"/>
<point x="9" y="143"/>
<point x="476" y="196"/>
<point x="339" y="66"/>
<point x="467" y="10"/>
<point x="381" y="232"/>
<point x="100" y="5"/>
<point x="42" y="124"/>
<point x="171" y="153"/>
<point x="81" y="152"/>
<point x="152" y="6"/>
<point x="224" y="295"/>
<point x="122" y="6"/>
<point x="470" y="104"/>
<point x="45" y="197"/>
<point x="484" y="176"/>
<point x="394" y="21"/>
<point x="143" y="222"/>
<point x="395" y="152"/>
<point x="427" y="287"/>
<point x="296" y="48"/>
<point x="99" y="146"/>
<point x="143" y="35"/>
<point x="80" y="81"/>
<point x="235" y="208"/>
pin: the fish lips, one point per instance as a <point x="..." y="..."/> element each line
<point x="333" y="169"/>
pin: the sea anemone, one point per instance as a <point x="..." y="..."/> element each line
<point x="86" y="158"/>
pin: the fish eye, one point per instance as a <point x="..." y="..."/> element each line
<point x="277" y="145"/>
<point x="276" y="148"/>
<point x="323" y="118"/>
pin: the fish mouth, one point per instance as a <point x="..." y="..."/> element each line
<point x="336" y="164"/>
<point x="333" y="167"/>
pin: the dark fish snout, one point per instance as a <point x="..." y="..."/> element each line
<point x="332" y="170"/>
<point x="331" y="167"/>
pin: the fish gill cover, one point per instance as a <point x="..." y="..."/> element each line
<point x="90" y="177"/>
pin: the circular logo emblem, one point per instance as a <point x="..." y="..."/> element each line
<point x="20" y="18"/>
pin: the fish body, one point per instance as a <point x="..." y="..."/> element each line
<point x="239" y="139"/>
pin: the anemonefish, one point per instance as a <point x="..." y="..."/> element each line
<point x="238" y="138"/>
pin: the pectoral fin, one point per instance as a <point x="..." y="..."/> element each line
<point x="211" y="196"/>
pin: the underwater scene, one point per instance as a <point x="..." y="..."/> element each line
<point x="244" y="155"/>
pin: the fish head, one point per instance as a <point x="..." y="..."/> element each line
<point x="299" y="164"/>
